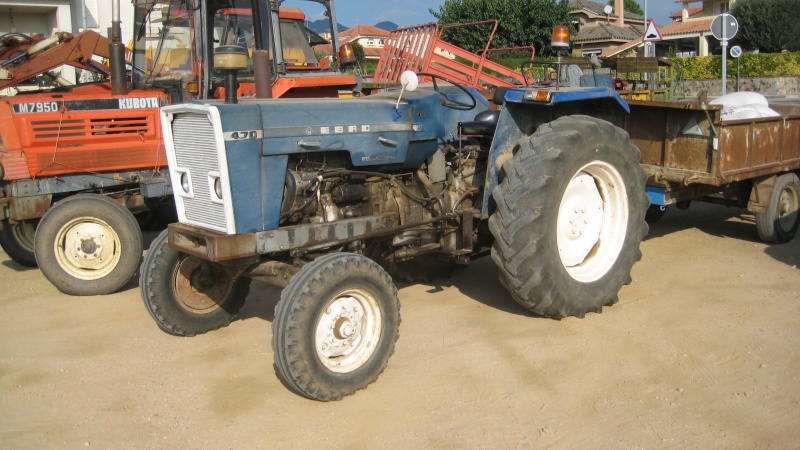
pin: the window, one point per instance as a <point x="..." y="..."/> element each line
<point x="90" y="11"/>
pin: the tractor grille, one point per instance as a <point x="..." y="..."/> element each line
<point x="80" y="128"/>
<point x="196" y="150"/>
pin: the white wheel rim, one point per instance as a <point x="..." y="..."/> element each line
<point x="348" y="331"/>
<point x="592" y="221"/>
<point x="87" y="248"/>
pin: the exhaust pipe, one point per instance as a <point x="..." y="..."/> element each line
<point x="116" y="51"/>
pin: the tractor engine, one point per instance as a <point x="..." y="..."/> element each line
<point x="325" y="187"/>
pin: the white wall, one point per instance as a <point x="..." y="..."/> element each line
<point x="43" y="17"/>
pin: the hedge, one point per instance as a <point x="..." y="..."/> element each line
<point x="752" y="65"/>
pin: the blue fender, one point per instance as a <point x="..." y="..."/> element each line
<point x="525" y="109"/>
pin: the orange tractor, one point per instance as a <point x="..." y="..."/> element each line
<point x="79" y="164"/>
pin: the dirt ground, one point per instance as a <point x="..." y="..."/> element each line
<point x="700" y="352"/>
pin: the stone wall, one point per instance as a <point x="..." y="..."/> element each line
<point x="769" y="86"/>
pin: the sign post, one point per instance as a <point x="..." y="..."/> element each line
<point x="736" y="52"/>
<point x="651" y="35"/>
<point x="724" y="27"/>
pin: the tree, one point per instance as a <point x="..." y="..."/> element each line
<point x="767" y="25"/>
<point x="521" y="22"/>
<point x="632" y="6"/>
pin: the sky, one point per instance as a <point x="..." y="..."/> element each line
<point x="415" y="12"/>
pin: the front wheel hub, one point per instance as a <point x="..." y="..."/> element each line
<point x="347" y="331"/>
<point x="87" y="248"/>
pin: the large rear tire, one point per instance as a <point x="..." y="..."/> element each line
<point x="779" y="223"/>
<point x="570" y="217"/>
<point x="17" y="241"/>
<point x="88" y="244"/>
<point x="335" y="326"/>
<point x="187" y="295"/>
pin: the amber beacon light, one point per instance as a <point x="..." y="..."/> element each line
<point x="560" y="39"/>
<point x="347" y="55"/>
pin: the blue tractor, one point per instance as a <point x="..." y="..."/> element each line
<point x="324" y="197"/>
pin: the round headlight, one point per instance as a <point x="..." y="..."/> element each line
<point x="185" y="182"/>
<point x="218" y="188"/>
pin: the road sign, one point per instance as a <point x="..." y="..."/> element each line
<point x="652" y="33"/>
<point x="724" y="26"/>
<point x="736" y="51"/>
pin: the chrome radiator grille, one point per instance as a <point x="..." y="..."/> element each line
<point x="196" y="150"/>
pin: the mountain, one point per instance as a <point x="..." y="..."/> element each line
<point x="388" y="26"/>
<point x="321" y="26"/>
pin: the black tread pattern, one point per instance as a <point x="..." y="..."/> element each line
<point x="527" y="201"/>
<point x="155" y="283"/>
<point x="303" y="374"/>
<point x="16" y="250"/>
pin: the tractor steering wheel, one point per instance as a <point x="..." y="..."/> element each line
<point x="448" y="102"/>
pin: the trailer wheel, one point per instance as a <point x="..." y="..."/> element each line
<point x="782" y="218"/>
<point x="335" y="326"/>
<point x="17" y="241"/>
<point x="187" y="295"/>
<point x="570" y="217"/>
<point x="88" y="244"/>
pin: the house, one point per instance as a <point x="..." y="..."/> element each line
<point x="370" y="38"/>
<point x="601" y="27"/>
<point x="690" y="32"/>
<point x="46" y="17"/>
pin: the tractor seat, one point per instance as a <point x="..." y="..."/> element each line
<point x="485" y="122"/>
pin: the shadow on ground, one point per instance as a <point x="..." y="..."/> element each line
<point x="714" y="220"/>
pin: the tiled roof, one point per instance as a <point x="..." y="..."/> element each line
<point x="606" y="32"/>
<point x="353" y="34"/>
<point x="596" y="8"/>
<point x="692" y="11"/>
<point x="362" y="31"/>
<point x="694" y="26"/>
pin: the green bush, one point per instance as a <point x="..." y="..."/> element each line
<point x="751" y="65"/>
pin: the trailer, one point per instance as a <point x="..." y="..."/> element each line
<point x="690" y="153"/>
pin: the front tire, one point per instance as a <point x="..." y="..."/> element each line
<point x="779" y="223"/>
<point x="88" y="244"/>
<point x="17" y="241"/>
<point x="570" y="217"/>
<point x="335" y="326"/>
<point x="187" y="295"/>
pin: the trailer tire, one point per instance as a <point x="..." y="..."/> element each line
<point x="779" y="223"/>
<point x="17" y="241"/>
<point x="335" y="326"/>
<point x="88" y="244"/>
<point x="570" y="217"/>
<point x="186" y="295"/>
